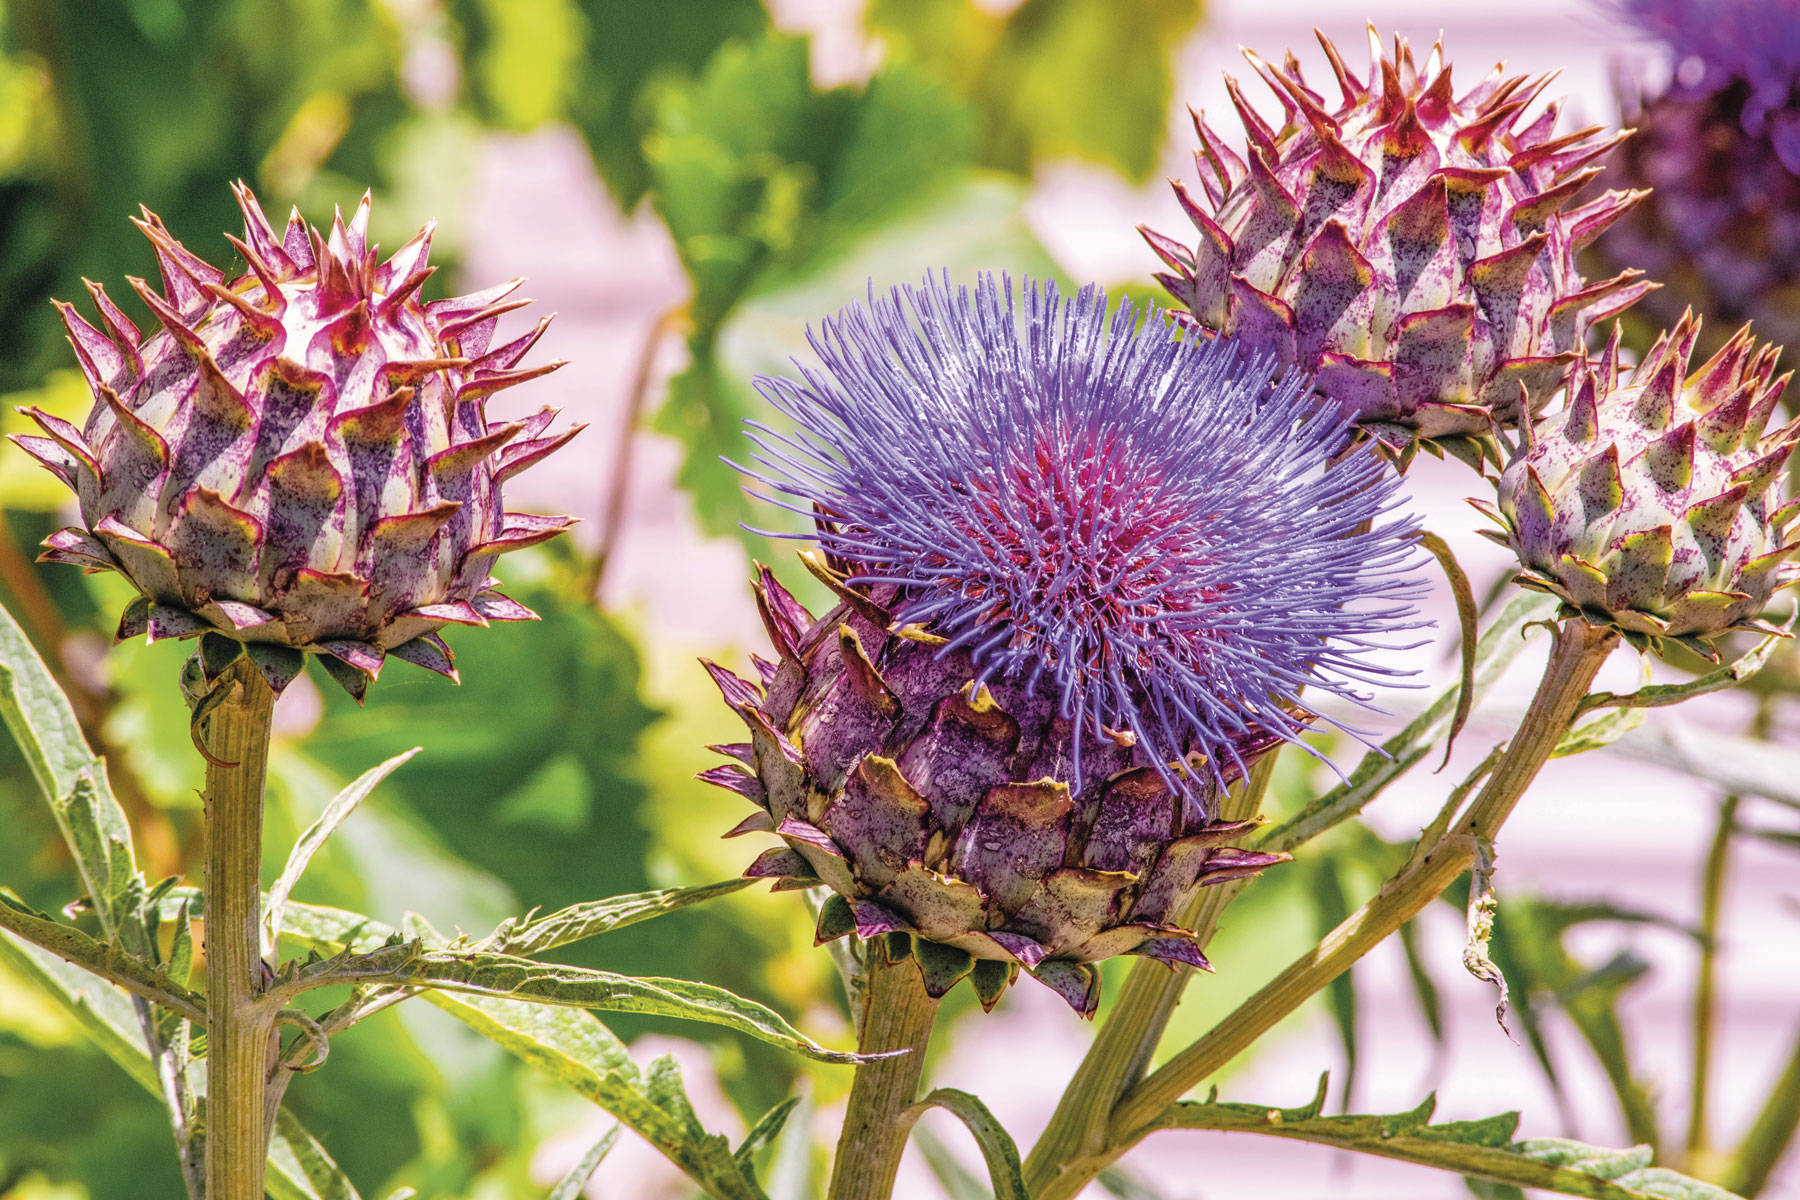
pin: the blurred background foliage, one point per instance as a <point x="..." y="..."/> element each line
<point x="545" y="785"/>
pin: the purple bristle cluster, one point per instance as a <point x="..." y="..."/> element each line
<point x="1181" y="542"/>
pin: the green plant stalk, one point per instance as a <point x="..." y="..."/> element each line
<point x="1712" y="890"/>
<point x="1576" y="655"/>
<point x="1712" y="893"/>
<point x="240" y="1029"/>
<point x="1770" y="1134"/>
<point x="1123" y="1046"/>
<point x="897" y="1014"/>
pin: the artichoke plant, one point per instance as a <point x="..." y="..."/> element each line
<point x="1083" y="570"/>
<point x="1655" y="504"/>
<point x="298" y="458"/>
<point x="1415" y="248"/>
<point x="1718" y="147"/>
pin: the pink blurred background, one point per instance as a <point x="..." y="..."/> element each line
<point x="1603" y="824"/>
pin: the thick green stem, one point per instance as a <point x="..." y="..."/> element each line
<point x="896" y="1015"/>
<point x="1575" y="659"/>
<point x="240" y="1030"/>
<point x="1712" y="891"/>
<point x="1122" y="1049"/>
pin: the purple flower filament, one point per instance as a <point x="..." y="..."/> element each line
<point x="1179" y="542"/>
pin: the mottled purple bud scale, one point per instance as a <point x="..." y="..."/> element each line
<point x="299" y="459"/>
<point x="1413" y="247"/>
<point x="1084" y="568"/>
<point x="1654" y="503"/>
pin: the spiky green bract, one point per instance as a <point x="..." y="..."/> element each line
<point x="1414" y="248"/>
<point x="1718" y="145"/>
<point x="1655" y="504"/>
<point x="1085" y="567"/>
<point x="298" y="459"/>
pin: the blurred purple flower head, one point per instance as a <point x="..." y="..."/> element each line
<point x="1722" y="43"/>
<point x="1175" y="539"/>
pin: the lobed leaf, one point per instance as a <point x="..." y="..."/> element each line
<point x="535" y="935"/>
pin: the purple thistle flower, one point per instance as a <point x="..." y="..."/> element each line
<point x="1178" y="540"/>
<point x="1722" y="43"/>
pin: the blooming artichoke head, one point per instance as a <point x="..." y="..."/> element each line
<point x="298" y="458"/>
<point x="1718" y="144"/>
<point x="1414" y="247"/>
<point x="1655" y="504"/>
<point x="1083" y="569"/>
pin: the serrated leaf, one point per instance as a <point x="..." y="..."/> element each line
<point x="1662" y="695"/>
<point x="536" y="935"/>
<point x="585" y="1166"/>
<point x="335" y="814"/>
<point x="70" y="777"/>
<point x="1482" y="1149"/>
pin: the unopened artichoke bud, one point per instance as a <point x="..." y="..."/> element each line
<point x="1413" y="247"/>
<point x="1655" y="504"/>
<point x="1083" y="570"/>
<point x="1719" y="144"/>
<point x="298" y="459"/>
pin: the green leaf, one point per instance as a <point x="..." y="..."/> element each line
<point x="300" y="1170"/>
<point x="577" y="1049"/>
<point x="1661" y="695"/>
<point x="336" y="813"/>
<point x="583" y="1170"/>
<point x="1482" y="1149"/>
<point x="68" y="774"/>
<point x="997" y="1146"/>
<point x="1465" y="616"/>
<point x="766" y="183"/>
<point x="392" y="962"/>
<point x="1599" y="732"/>
<point x="536" y="935"/>
<point x="1089" y="79"/>
<point x="765" y="1131"/>
<point x="104" y="959"/>
<point x="1493" y="654"/>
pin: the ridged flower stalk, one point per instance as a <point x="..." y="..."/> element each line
<point x="1125" y="1042"/>
<point x="240" y="1028"/>
<point x="1575" y="658"/>
<point x="897" y="1014"/>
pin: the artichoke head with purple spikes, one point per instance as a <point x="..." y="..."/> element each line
<point x="1413" y="247"/>
<point x="1655" y="504"/>
<point x="1083" y="567"/>
<point x="298" y="459"/>
<point x="1718" y="146"/>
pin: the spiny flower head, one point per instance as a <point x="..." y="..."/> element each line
<point x="1655" y="504"/>
<point x="1718" y="43"/>
<point x="1083" y="568"/>
<point x="1412" y="245"/>
<point x="1169" y="538"/>
<point x="298" y="458"/>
